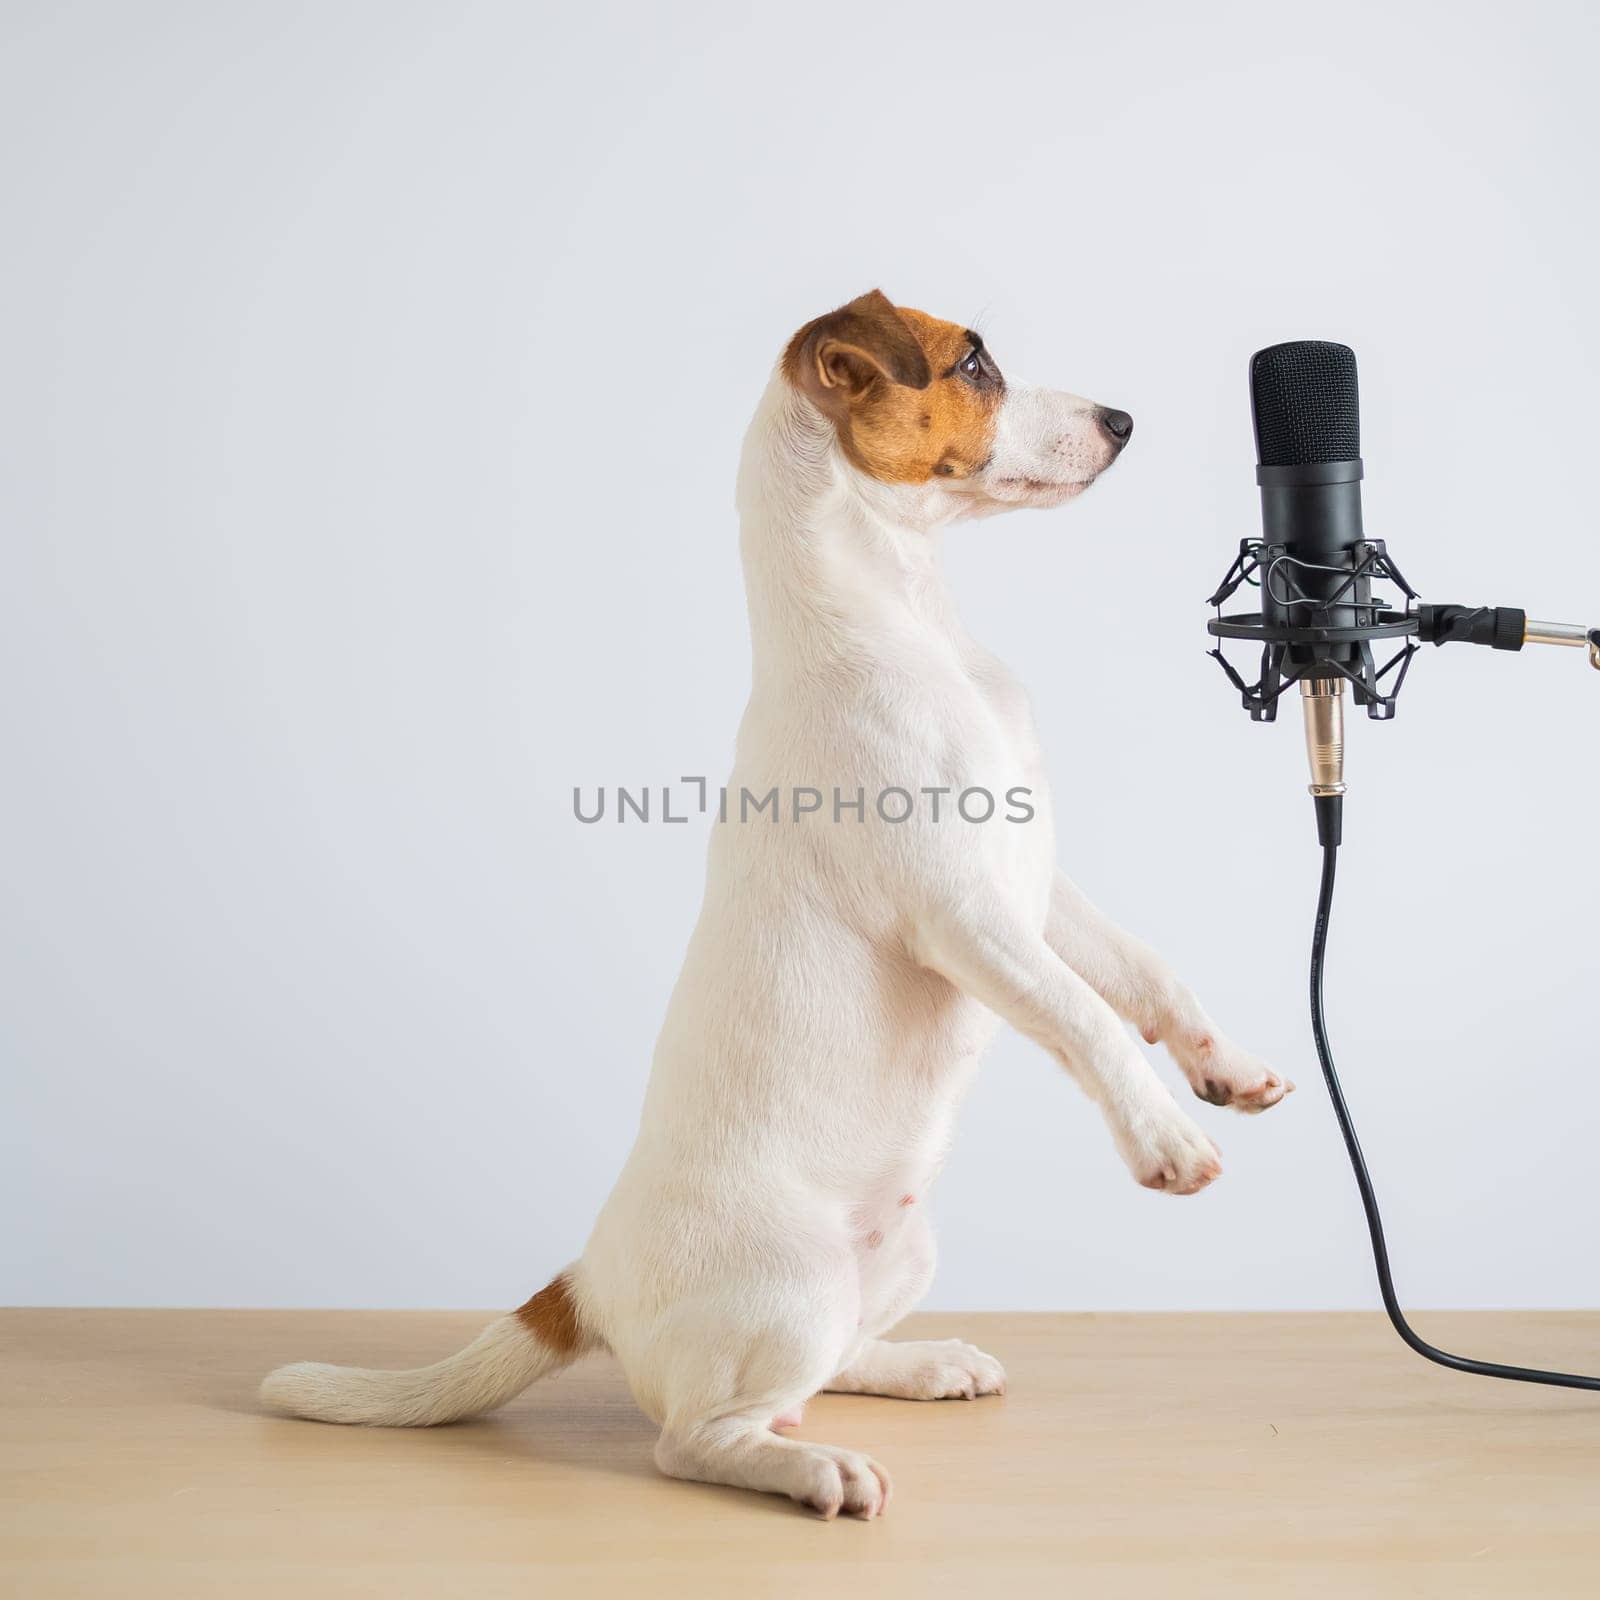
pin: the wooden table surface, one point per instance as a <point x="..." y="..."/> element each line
<point x="1190" y="1455"/>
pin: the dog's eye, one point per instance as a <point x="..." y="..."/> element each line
<point x="978" y="368"/>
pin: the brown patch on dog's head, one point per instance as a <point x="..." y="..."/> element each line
<point x="912" y="398"/>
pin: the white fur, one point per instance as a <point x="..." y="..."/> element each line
<point x="500" y="1363"/>
<point x="839" y="989"/>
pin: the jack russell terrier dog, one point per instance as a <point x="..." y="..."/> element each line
<point x="847" y="970"/>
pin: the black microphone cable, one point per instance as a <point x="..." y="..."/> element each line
<point x="1369" y="1199"/>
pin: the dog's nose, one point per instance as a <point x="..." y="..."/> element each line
<point x="1118" y="424"/>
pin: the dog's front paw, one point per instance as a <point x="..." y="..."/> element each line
<point x="1224" y="1075"/>
<point x="1168" y="1152"/>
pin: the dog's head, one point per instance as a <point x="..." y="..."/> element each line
<point x="920" y="404"/>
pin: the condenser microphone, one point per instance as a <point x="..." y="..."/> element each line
<point x="1305" y="402"/>
<point x="1319" y="625"/>
<point x="1306" y="406"/>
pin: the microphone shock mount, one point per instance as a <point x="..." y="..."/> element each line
<point x="1324" y="636"/>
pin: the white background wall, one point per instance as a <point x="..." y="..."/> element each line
<point x="371" y="389"/>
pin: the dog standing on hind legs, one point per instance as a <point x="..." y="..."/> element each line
<point x="847" y="969"/>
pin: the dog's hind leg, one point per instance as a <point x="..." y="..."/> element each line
<point x="911" y="1369"/>
<point x="921" y="1369"/>
<point x="739" y="1448"/>
<point x="722" y="1384"/>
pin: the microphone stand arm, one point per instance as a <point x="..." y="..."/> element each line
<point x="1502" y="628"/>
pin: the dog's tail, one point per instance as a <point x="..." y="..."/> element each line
<point x="539" y="1338"/>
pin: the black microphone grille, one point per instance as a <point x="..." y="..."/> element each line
<point x="1306" y="402"/>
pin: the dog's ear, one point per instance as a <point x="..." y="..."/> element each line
<point x="838" y="358"/>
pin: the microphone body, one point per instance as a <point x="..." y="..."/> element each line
<point x="1305" y="403"/>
